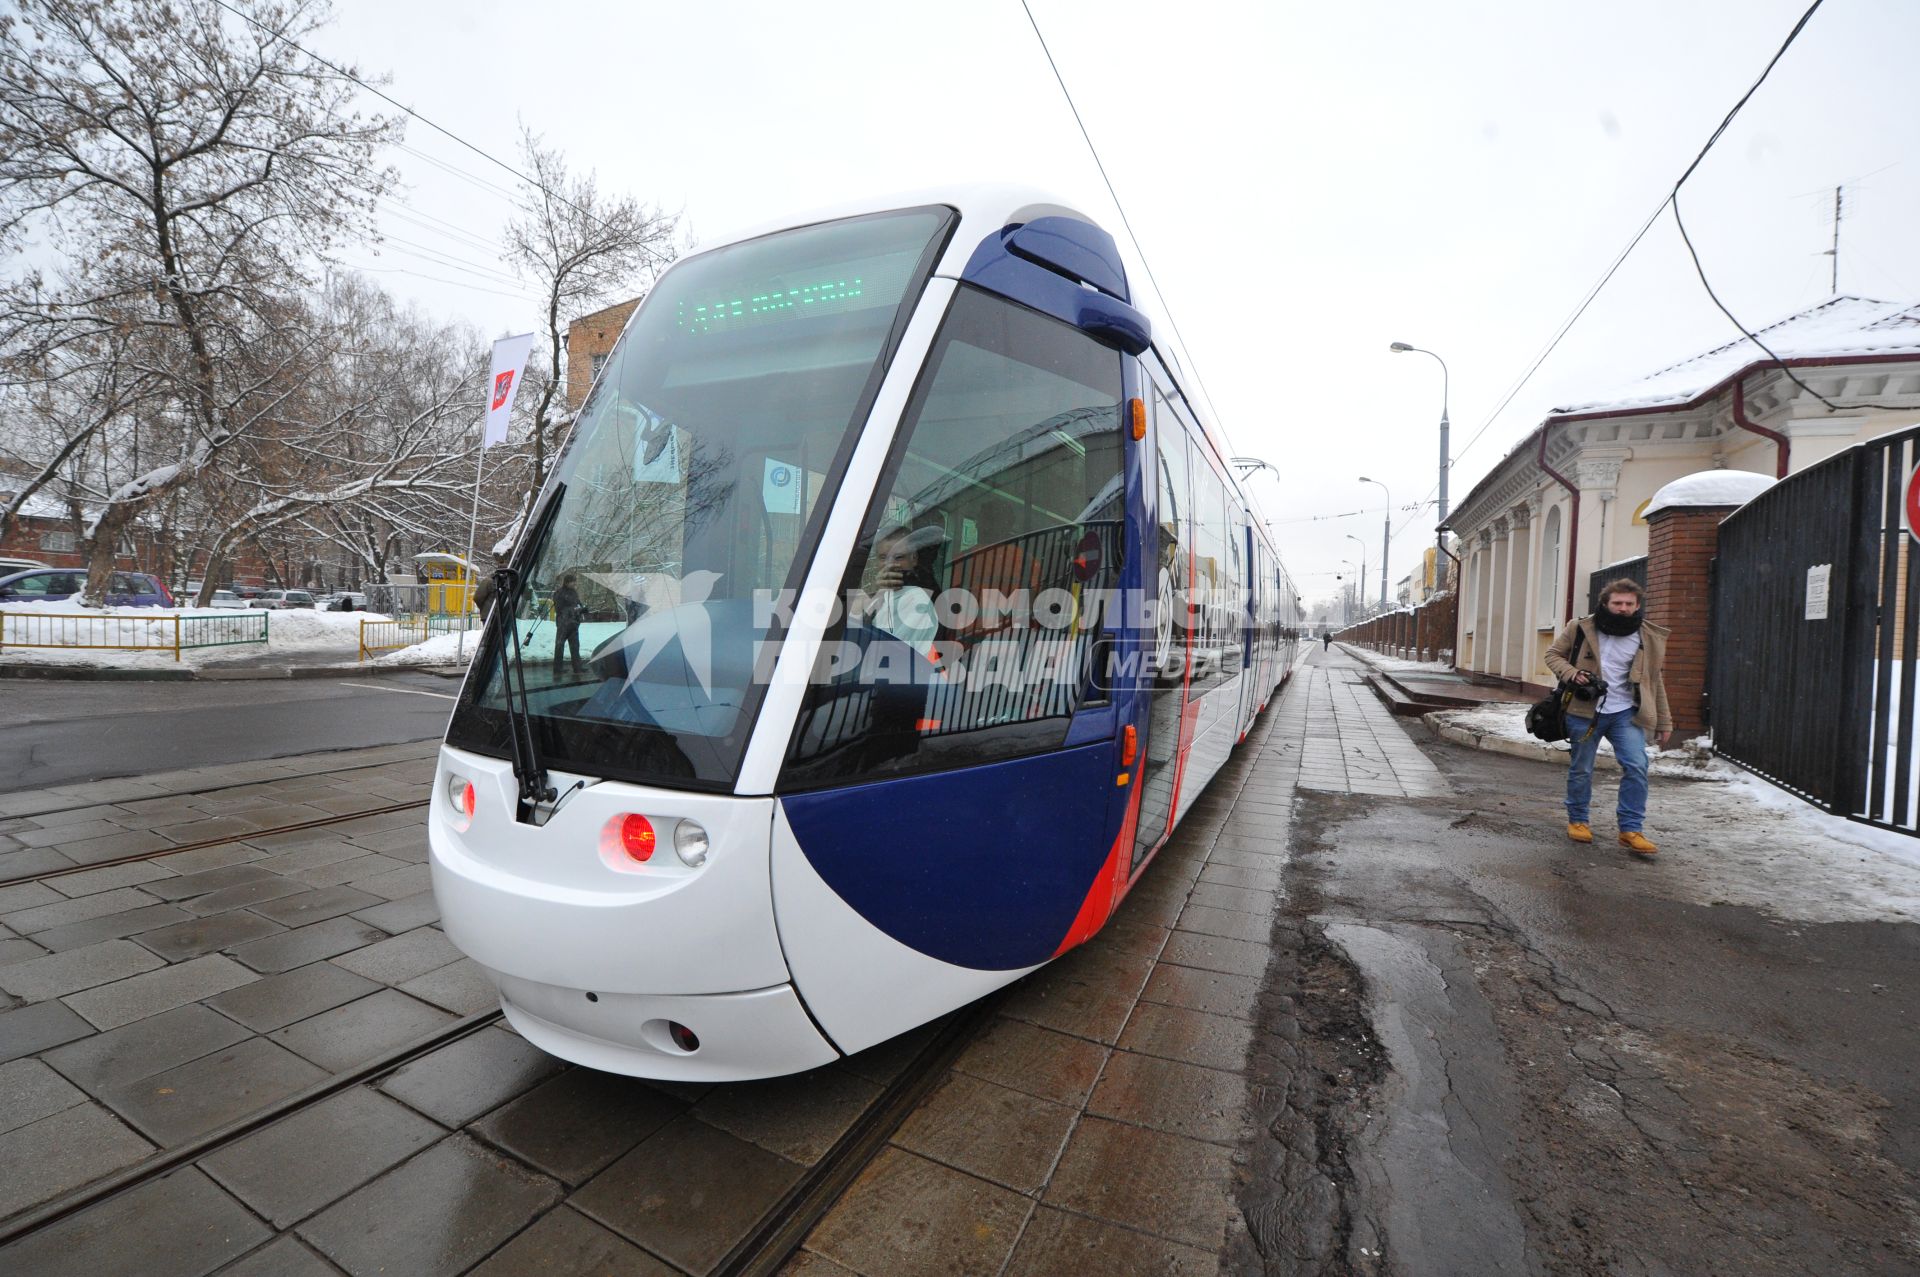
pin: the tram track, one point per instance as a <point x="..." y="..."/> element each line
<point x="158" y="853"/>
<point x="761" y="1253"/>
<point x="170" y="1160"/>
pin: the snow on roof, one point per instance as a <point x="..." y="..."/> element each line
<point x="1837" y="327"/>
<point x="1709" y="488"/>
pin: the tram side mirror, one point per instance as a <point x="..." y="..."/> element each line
<point x="1112" y="322"/>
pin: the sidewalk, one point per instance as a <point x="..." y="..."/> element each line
<point x="1100" y="1125"/>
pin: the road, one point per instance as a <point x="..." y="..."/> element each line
<point x="61" y="732"/>
<point x="1488" y="1050"/>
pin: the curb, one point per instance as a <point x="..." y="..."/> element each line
<point x="1538" y="751"/>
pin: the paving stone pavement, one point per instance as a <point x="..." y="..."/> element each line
<point x="174" y="995"/>
<point x="1094" y="1125"/>
<point x="1345" y="740"/>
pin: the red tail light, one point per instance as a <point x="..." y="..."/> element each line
<point x="166" y="595"/>
<point x="637" y="837"/>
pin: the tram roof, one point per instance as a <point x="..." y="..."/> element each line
<point x="987" y="207"/>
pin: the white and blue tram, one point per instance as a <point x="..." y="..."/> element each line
<point x="890" y="605"/>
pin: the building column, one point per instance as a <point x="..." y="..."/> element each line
<point x="1497" y="597"/>
<point x="1483" y="606"/>
<point x="1513" y="659"/>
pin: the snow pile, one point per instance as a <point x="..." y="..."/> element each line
<point x="1709" y="488"/>
<point x="332" y="635"/>
<point x="441" y="649"/>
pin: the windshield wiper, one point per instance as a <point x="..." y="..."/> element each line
<point x="537" y="795"/>
<point x="535" y="789"/>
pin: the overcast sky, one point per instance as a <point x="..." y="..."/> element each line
<point x="1309" y="182"/>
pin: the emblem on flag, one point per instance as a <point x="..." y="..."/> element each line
<point x="502" y="387"/>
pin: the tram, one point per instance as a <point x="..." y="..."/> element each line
<point x="890" y="605"/>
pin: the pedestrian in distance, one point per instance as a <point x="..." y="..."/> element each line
<point x="1614" y="661"/>
<point x="1326" y="640"/>
<point x="567" y="611"/>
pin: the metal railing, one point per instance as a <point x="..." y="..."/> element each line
<point x="377" y="636"/>
<point x="129" y="633"/>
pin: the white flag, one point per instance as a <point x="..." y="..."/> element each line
<point x="509" y="357"/>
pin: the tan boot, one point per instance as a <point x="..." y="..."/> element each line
<point x="1637" y="843"/>
<point x="1580" y="833"/>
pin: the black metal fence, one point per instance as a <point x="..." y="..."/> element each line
<point x="1632" y="569"/>
<point x="1811" y="670"/>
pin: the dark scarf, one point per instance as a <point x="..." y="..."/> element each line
<point x="1608" y="622"/>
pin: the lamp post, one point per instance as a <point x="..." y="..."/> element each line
<point x="1360" y="583"/>
<point x="1440" y="541"/>
<point x="1386" y="536"/>
<point x="1346" y="596"/>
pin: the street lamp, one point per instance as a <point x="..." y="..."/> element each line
<point x="1346" y="595"/>
<point x="1386" y="536"/>
<point x="1400" y="347"/>
<point x="1360" y="583"/>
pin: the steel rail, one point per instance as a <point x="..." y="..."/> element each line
<point x="157" y="853"/>
<point x="169" y="1160"/>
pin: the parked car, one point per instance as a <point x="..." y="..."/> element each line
<point x="344" y="601"/>
<point x="10" y="565"/>
<point x="278" y="599"/>
<point x="226" y="599"/>
<point x="246" y="591"/>
<point x="51" y="585"/>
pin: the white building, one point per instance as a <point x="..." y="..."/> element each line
<point x="1569" y="498"/>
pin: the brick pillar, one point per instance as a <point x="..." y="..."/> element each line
<point x="1681" y="543"/>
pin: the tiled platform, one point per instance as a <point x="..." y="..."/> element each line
<point x="1344" y="739"/>
<point x="1093" y="1126"/>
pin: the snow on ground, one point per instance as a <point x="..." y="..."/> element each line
<point x="1685" y="760"/>
<point x="1751" y="844"/>
<point x="1745" y="841"/>
<point x="292" y="632"/>
<point x="441" y="649"/>
<point x="1394" y="665"/>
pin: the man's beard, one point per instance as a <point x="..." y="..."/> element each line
<point x="1610" y="622"/>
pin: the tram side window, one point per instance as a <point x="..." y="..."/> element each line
<point x="969" y="598"/>
<point x="1211" y="610"/>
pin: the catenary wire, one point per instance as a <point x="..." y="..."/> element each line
<point x="1671" y="198"/>
<point x="345" y="74"/>
<point x="1121" y="209"/>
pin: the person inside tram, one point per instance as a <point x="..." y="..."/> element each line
<point x="901" y="602"/>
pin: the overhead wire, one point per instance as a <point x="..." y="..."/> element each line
<point x="1671" y="199"/>
<point x="345" y="74"/>
<point x="1120" y="208"/>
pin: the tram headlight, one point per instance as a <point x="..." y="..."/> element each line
<point x="690" y="843"/>
<point x="462" y="801"/>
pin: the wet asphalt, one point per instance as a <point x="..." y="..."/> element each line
<point x="1492" y="1051"/>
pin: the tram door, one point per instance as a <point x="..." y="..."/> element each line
<point x="1166" y="662"/>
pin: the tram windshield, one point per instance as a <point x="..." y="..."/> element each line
<point x="685" y="509"/>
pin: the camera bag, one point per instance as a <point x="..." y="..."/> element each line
<point x="1547" y="717"/>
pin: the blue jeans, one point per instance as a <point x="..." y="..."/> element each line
<point x="1629" y="746"/>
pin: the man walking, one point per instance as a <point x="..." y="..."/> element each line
<point x="1614" y="659"/>
<point x="567" y="613"/>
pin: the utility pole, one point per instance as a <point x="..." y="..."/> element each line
<point x="1833" y="285"/>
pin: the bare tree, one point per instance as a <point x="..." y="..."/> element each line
<point x="382" y="432"/>
<point x="585" y="250"/>
<point x="189" y="168"/>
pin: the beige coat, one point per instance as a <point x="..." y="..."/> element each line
<point x="1649" y="663"/>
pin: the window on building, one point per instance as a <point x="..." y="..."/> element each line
<point x="1550" y="578"/>
<point x="599" y="362"/>
<point x="59" y="542"/>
